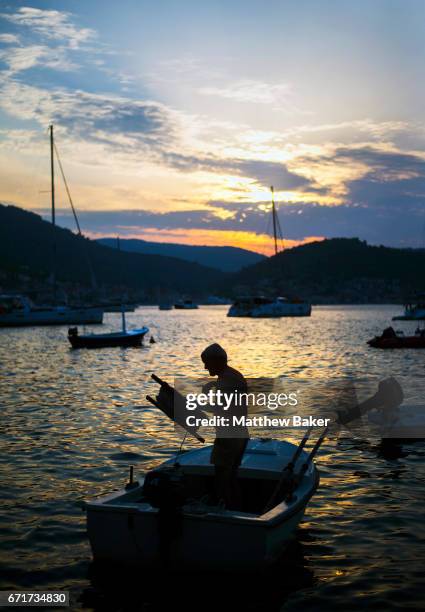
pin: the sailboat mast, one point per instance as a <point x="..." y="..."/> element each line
<point x="274" y="220"/>
<point x="124" y="328"/>
<point x="52" y="179"/>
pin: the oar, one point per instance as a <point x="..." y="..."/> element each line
<point x="298" y="477"/>
<point x="288" y="470"/>
<point x="314" y="450"/>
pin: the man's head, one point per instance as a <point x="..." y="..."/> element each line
<point x="214" y="358"/>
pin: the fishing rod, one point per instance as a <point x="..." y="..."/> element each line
<point x="288" y="470"/>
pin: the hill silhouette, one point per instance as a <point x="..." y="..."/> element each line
<point x="339" y="269"/>
<point x="226" y="258"/>
<point x="26" y="247"/>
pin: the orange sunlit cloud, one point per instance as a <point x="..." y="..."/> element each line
<point x="261" y="243"/>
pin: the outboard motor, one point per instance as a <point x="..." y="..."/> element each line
<point x="164" y="489"/>
<point x="72" y="331"/>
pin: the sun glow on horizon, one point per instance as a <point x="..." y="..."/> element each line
<point x="260" y="243"/>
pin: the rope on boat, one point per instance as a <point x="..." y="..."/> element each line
<point x="74" y="212"/>
<point x="176" y="461"/>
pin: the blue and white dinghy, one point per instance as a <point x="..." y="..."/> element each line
<point x="164" y="518"/>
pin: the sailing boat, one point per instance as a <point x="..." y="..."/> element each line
<point x="260" y="306"/>
<point x="132" y="337"/>
<point x="18" y="310"/>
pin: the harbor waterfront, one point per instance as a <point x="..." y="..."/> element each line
<point x="74" y="421"/>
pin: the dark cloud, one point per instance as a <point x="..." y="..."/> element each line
<point x="402" y="226"/>
<point x="100" y="118"/>
<point x="388" y="162"/>
<point x="265" y="173"/>
<point x="381" y="207"/>
<point x="270" y="173"/>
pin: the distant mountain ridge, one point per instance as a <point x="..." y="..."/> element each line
<point x="26" y="247"/>
<point x="337" y="270"/>
<point x="226" y="258"/>
<point x="340" y="270"/>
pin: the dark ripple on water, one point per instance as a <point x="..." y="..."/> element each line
<point x="71" y="423"/>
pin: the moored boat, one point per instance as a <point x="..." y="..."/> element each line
<point x="163" y="518"/>
<point x="391" y="339"/>
<point x="414" y="310"/>
<point x="185" y="305"/>
<point x="259" y="306"/>
<point x="264" y="307"/>
<point x="132" y="337"/>
<point x="17" y="311"/>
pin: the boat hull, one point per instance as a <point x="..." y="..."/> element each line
<point x="123" y="529"/>
<point x="407" y="342"/>
<point x="415" y="313"/>
<point x="71" y="316"/>
<point x="419" y="317"/>
<point x="272" y="312"/>
<point x="107" y="340"/>
<point x="134" y="539"/>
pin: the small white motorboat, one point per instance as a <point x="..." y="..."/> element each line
<point x="19" y="311"/>
<point x="260" y="307"/>
<point x="165" y="518"/>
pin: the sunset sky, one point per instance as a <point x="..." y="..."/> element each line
<point x="173" y="118"/>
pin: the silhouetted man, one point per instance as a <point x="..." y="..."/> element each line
<point x="230" y="442"/>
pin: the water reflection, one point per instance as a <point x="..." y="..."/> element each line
<point x="117" y="588"/>
<point x="72" y="421"/>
